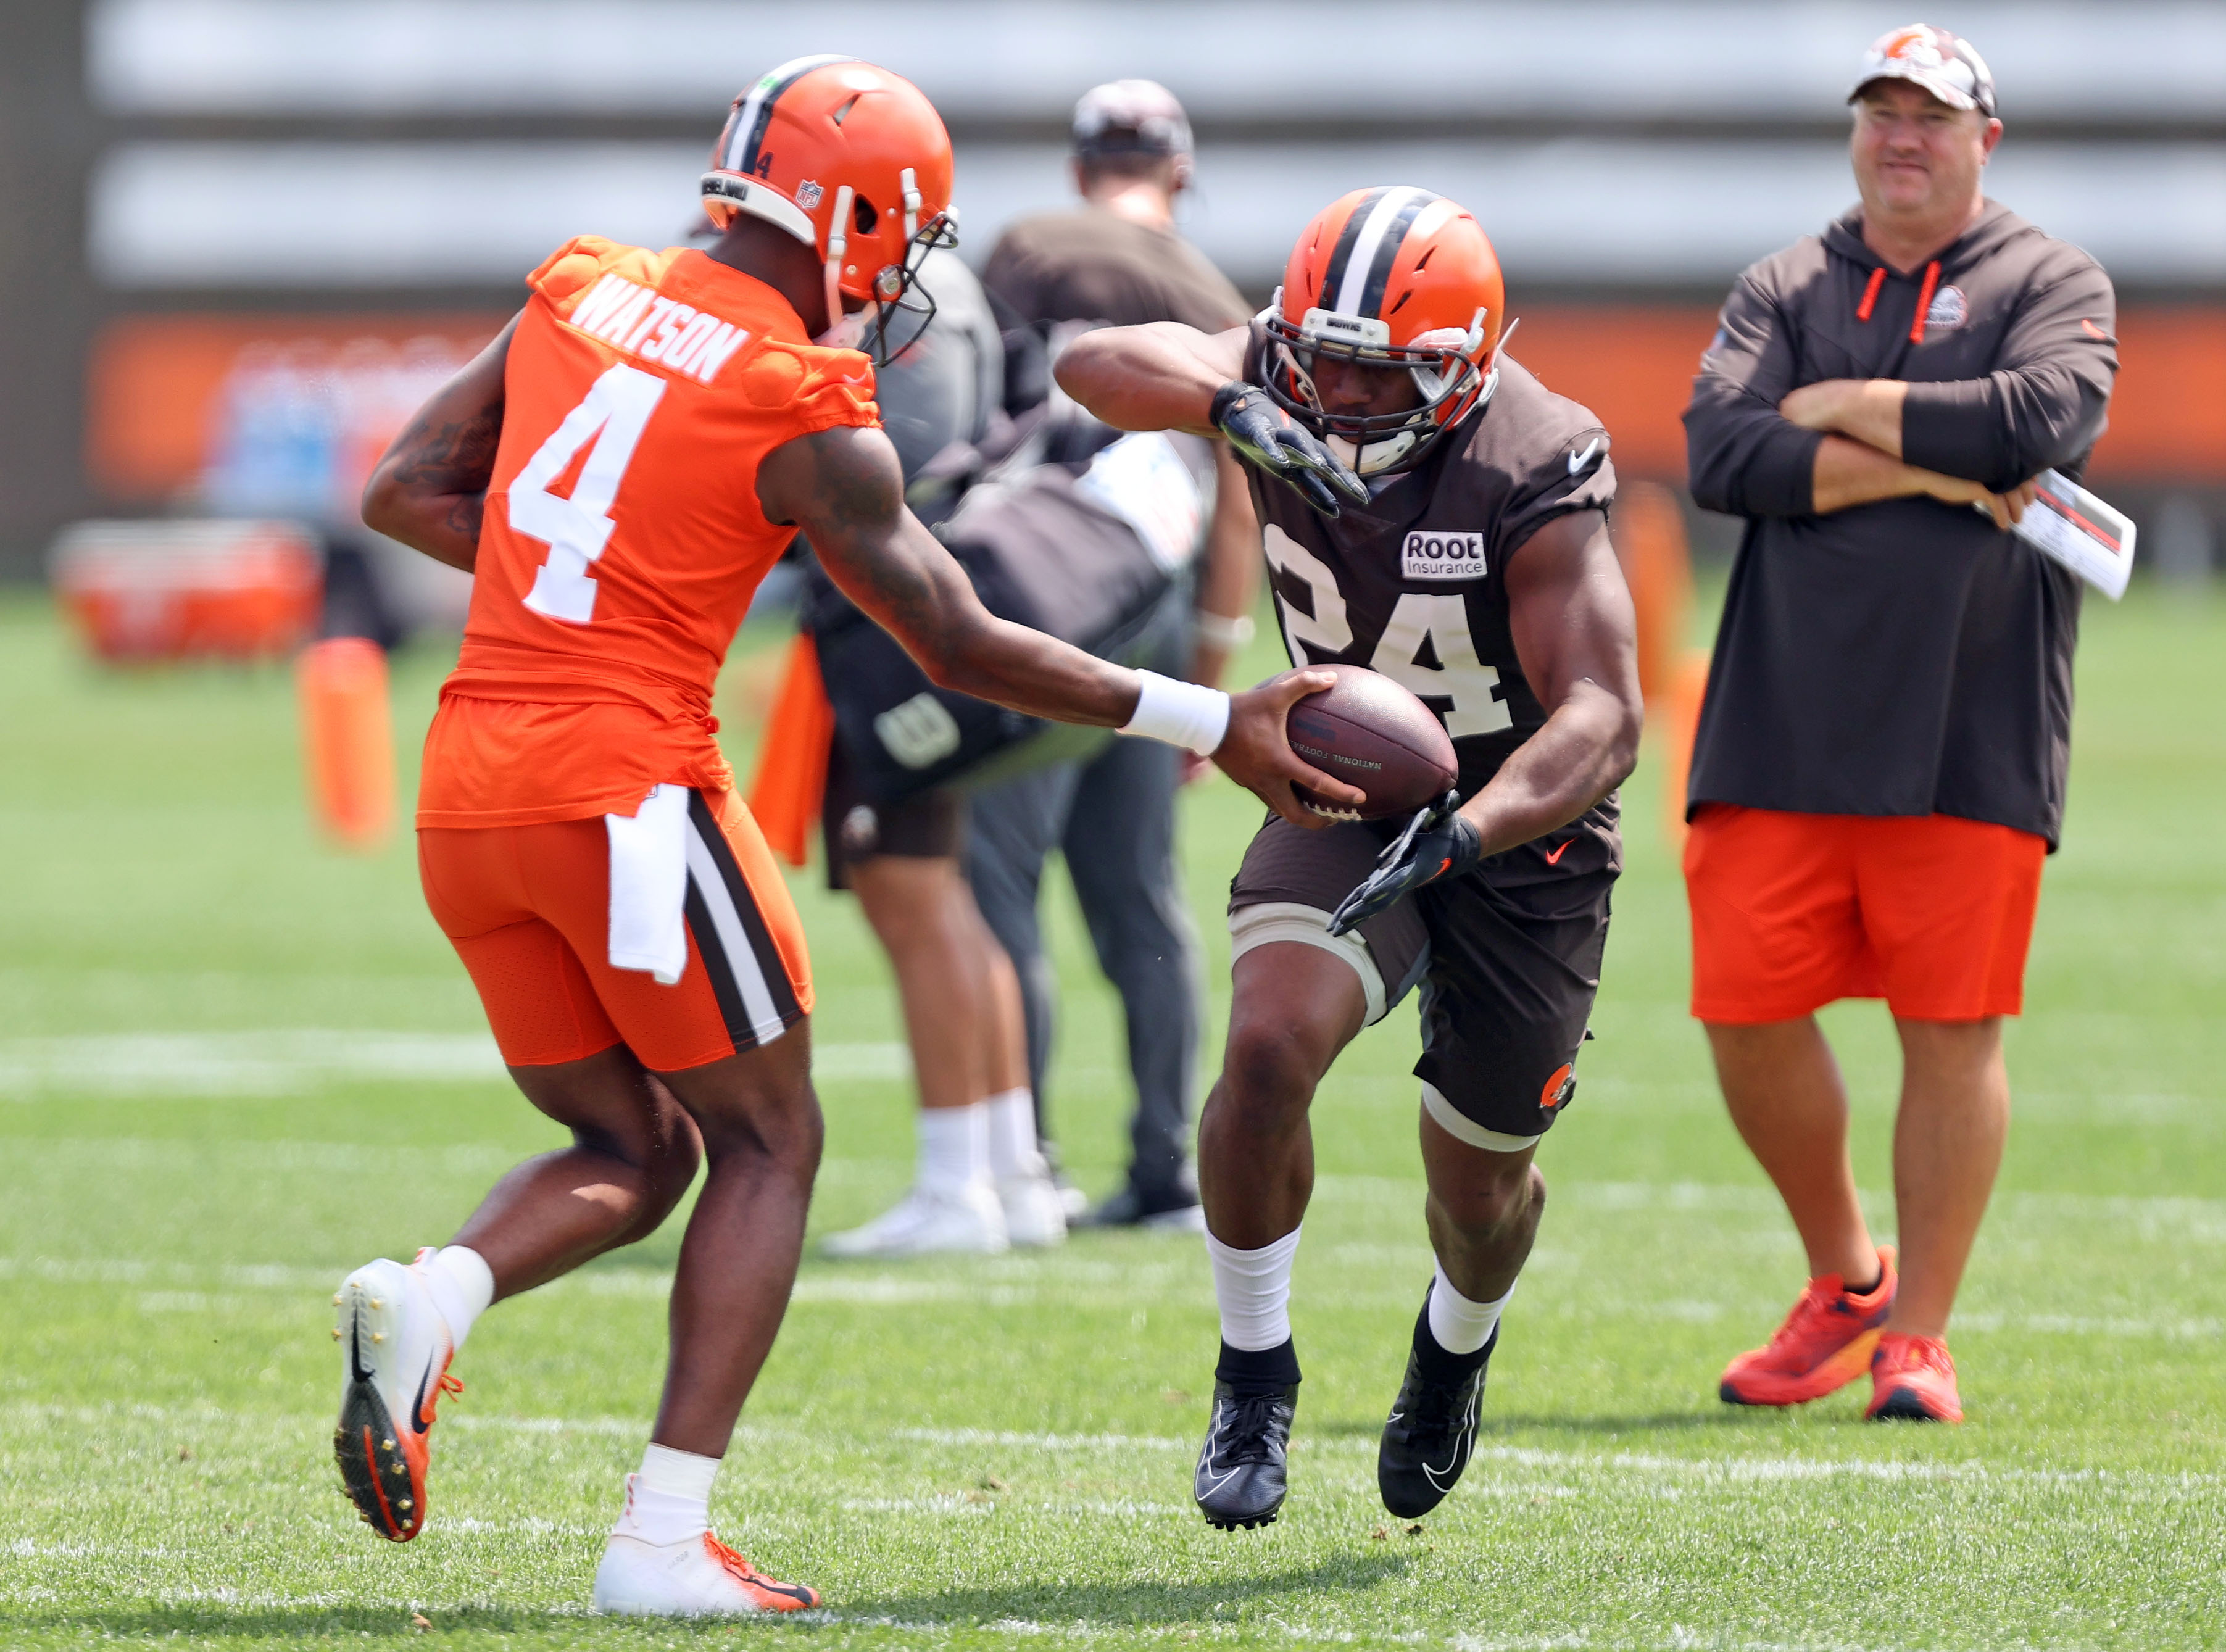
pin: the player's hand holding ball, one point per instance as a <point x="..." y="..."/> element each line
<point x="1263" y="434"/>
<point x="1257" y="751"/>
<point x="1439" y="842"/>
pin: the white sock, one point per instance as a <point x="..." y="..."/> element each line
<point x="669" y="1500"/>
<point x="1254" y="1290"/>
<point x="1457" y="1324"/>
<point x="954" y="1146"/>
<point x="1014" y="1150"/>
<point x="461" y="1284"/>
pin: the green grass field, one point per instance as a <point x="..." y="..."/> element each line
<point x="233" y="1064"/>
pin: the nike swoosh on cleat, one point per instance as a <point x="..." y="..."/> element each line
<point x="355" y="1352"/>
<point x="1212" y="1438"/>
<point x="417" y="1409"/>
<point x="1468" y="1426"/>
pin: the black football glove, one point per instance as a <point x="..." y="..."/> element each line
<point x="1263" y="434"/>
<point x="1438" y="842"/>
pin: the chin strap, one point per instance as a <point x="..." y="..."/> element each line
<point x="838" y="242"/>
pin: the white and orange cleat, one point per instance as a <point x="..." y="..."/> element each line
<point x="695" y="1576"/>
<point x="394" y="1350"/>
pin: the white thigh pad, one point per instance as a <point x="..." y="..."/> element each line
<point x="1287" y="920"/>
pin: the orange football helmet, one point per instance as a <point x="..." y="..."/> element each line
<point x="854" y="162"/>
<point x="1391" y="278"/>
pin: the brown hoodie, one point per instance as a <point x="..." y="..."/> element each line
<point x="1902" y="658"/>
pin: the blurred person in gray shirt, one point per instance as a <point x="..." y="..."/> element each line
<point x="1118" y="260"/>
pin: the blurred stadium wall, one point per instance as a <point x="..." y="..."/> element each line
<point x="215" y="205"/>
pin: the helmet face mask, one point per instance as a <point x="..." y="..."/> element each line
<point x="1394" y="281"/>
<point x="1442" y="363"/>
<point x="892" y="320"/>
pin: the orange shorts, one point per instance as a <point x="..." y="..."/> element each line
<point x="528" y="909"/>
<point x="1931" y="912"/>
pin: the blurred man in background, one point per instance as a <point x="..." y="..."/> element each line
<point x="1117" y="259"/>
<point x="981" y="1181"/>
<point x="1880" y="763"/>
<point x="1093" y="550"/>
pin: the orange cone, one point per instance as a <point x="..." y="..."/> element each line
<point x="1679" y="708"/>
<point x="348" y="739"/>
<point x="1649" y="542"/>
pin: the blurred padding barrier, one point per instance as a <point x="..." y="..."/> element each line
<point x="1651" y="543"/>
<point x="148" y="591"/>
<point x="212" y="406"/>
<point x="1633" y="366"/>
<point x="348" y="738"/>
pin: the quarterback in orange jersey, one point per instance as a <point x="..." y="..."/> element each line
<point x="619" y="468"/>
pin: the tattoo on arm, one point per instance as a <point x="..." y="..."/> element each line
<point x="454" y="459"/>
<point x="856" y="518"/>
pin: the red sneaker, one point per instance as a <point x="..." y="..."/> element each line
<point x="1825" y="1343"/>
<point x="1913" y="1379"/>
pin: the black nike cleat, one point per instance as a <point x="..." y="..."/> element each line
<point x="1432" y="1429"/>
<point x="1240" y="1480"/>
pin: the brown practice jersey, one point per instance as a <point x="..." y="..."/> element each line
<point x="1093" y="265"/>
<point x="1414" y="585"/>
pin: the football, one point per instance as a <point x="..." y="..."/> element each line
<point x="1373" y="734"/>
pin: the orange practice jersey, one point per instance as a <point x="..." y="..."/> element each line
<point x="623" y="538"/>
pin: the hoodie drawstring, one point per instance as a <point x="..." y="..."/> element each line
<point x="1924" y="302"/>
<point x="1870" y="293"/>
<point x="1923" y="298"/>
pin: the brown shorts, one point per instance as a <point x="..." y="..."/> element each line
<point x="926" y="826"/>
<point x="1508" y="958"/>
<point x="528" y="909"/>
<point x="1931" y="912"/>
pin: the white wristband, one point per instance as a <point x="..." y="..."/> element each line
<point x="1186" y="714"/>
<point x="1224" y="631"/>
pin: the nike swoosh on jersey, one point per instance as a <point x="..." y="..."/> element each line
<point x="1581" y="461"/>
<point x="1555" y="859"/>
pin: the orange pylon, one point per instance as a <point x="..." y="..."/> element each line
<point x="348" y="739"/>
<point x="1649" y="542"/>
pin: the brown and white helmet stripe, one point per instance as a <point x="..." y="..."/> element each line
<point x="741" y="145"/>
<point x="1360" y="269"/>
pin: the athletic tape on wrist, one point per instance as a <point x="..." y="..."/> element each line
<point x="1188" y="714"/>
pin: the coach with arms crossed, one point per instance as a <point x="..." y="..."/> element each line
<point x="1880" y="763"/>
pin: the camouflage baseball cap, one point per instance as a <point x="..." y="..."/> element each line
<point x="1945" y="65"/>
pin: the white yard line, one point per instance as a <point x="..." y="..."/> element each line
<point x="290" y="1061"/>
<point x="1010" y="1283"/>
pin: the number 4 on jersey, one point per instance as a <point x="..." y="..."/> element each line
<point x="575" y="529"/>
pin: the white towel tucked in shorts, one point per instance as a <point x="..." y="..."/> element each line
<point x="649" y="885"/>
